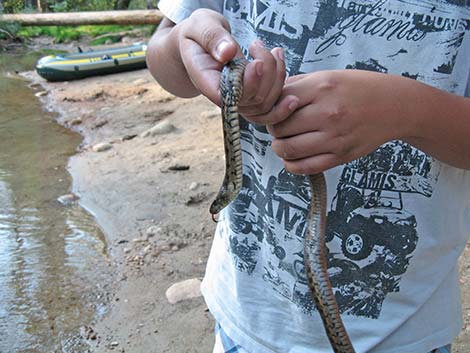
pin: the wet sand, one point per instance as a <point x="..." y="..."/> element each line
<point x="151" y="196"/>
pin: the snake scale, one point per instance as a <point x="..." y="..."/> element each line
<point x="231" y="89"/>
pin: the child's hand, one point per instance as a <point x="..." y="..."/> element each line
<point x="342" y="115"/>
<point x="205" y="45"/>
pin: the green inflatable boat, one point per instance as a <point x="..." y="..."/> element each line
<point x="85" y="64"/>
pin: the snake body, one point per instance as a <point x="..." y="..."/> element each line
<point x="231" y="89"/>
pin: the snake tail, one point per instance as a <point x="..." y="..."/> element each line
<point x="231" y="90"/>
<point x="317" y="271"/>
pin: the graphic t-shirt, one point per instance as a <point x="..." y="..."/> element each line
<point x="398" y="219"/>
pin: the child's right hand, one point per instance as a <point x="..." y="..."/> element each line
<point x="202" y="44"/>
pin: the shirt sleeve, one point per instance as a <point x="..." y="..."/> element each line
<point x="177" y="11"/>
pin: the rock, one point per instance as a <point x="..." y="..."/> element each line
<point x="34" y="85"/>
<point x="153" y="230"/>
<point x="128" y="137"/>
<point x="101" y="147"/>
<point x="211" y="114"/>
<point x="76" y="121"/>
<point x="184" y="290"/>
<point x="196" y="199"/>
<point x="163" y="127"/>
<point x="67" y="199"/>
<point x="147" y="249"/>
<point x="178" y="167"/>
<point x="193" y="186"/>
<point x="139" y="240"/>
<point x="140" y="81"/>
<point x="41" y="94"/>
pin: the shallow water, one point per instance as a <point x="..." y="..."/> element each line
<point x="53" y="265"/>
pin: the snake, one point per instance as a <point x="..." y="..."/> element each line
<point x="315" y="256"/>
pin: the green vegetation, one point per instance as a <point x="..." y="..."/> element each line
<point x="17" y="6"/>
<point x="64" y="34"/>
<point x="68" y="33"/>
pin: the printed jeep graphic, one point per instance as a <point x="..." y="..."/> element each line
<point x="363" y="218"/>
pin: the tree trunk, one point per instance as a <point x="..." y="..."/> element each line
<point x="122" y="4"/>
<point x="150" y="5"/>
<point x="29" y="4"/>
<point x="134" y="17"/>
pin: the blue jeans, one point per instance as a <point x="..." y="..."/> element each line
<point x="224" y="344"/>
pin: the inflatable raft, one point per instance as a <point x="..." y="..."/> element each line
<point x="80" y="65"/>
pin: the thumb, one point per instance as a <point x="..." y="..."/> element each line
<point x="212" y="33"/>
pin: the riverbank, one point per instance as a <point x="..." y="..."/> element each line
<point x="148" y="167"/>
<point x="149" y="190"/>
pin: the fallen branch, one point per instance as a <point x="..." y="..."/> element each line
<point x="119" y="34"/>
<point x="8" y="34"/>
<point x="134" y="17"/>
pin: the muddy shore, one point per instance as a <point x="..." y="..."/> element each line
<point x="147" y="169"/>
<point x="149" y="190"/>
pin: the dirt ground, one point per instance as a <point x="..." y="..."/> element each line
<point x="150" y="192"/>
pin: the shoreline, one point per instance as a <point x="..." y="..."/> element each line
<point x="155" y="219"/>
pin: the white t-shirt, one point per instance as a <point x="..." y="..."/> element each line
<point x="397" y="219"/>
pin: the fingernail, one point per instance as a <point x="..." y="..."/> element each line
<point x="221" y="47"/>
<point x="280" y="54"/>
<point x="259" y="68"/>
<point x="293" y="104"/>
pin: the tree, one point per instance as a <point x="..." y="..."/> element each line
<point x="150" y="4"/>
<point x="122" y="4"/>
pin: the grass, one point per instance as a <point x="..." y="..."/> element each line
<point x="65" y="34"/>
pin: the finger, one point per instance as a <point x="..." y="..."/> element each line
<point x="212" y="32"/>
<point x="260" y="76"/>
<point x="202" y="69"/>
<point x="295" y="78"/>
<point x="302" y="146"/>
<point x="311" y="116"/>
<point x="310" y="86"/>
<point x="264" y="112"/>
<point x="279" y="112"/>
<point x="312" y="165"/>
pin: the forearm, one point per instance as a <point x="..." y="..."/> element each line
<point x="165" y="64"/>
<point x="439" y="124"/>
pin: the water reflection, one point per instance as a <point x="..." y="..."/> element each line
<point x="52" y="258"/>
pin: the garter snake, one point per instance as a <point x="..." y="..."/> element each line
<point x="231" y="90"/>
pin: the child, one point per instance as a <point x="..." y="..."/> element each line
<point x="376" y="99"/>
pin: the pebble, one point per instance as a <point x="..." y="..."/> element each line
<point x="67" y="199"/>
<point x="193" y="186"/>
<point x="153" y="230"/>
<point x="210" y="114"/>
<point x="184" y="290"/>
<point x="101" y="147"/>
<point x="41" y="94"/>
<point x="162" y="128"/>
<point x="35" y="85"/>
<point x="139" y="81"/>
<point x="76" y="121"/>
<point x="139" y="240"/>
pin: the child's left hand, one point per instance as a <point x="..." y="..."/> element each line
<point x="339" y="116"/>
